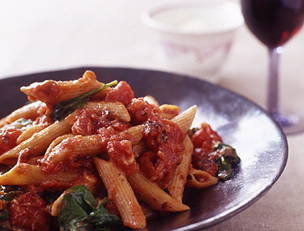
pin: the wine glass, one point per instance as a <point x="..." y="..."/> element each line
<point x="274" y="22"/>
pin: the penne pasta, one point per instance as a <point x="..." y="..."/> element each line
<point x="57" y="141"/>
<point x="55" y="208"/>
<point x="37" y="143"/>
<point x="3" y="122"/>
<point x="28" y="111"/>
<point x="200" y="179"/>
<point x="139" y="148"/>
<point x="153" y="195"/>
<point x="116" y="108"/>
<point x="151" y="100"/>
<point x="53" y="92"/>
<point x="22" y="174"/>
<point x="29" y="132"/>
<point x="185" y="119"/>
<point x="134" y="134"/>
<point x="169" y="111"/>
<point x="177" y="184"/>
<point x="73" y="146"/>
<point x="26" y="174"/>
<point x="121" y="193"/>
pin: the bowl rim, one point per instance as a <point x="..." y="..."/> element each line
<point x="147" y="18"/>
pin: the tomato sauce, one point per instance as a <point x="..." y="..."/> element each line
<point x="204" y="140"/>
<point x="164" y="139"/>
<point x="47" y="91"/>
<point x="122" y="92"/>
<point x="142" y="111"/>
<point x="44" y="114"/>
<point x="120" y="151"/>
<point x="28" y="211"/>
<point x="8" y="137"/>
<point x="89" y="122"/>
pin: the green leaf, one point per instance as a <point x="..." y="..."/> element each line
<point x="64" y="108"/>
<point x="226" y="159"/>
<point x="76" y="206"/>
<point x="228" y="152"/>
<point x="225" y="169"/>
<point x="79" y="213"/>
<point x="102" y="220"/>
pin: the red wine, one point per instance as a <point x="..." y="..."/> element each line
<point x="273" y="22"/>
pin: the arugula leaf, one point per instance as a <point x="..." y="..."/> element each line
<point x="75" y="207"/>
<point x="79" y="213"/>
<point x="64" y="108"/>
<point x="102" y="220"/>
<point x="225" y="169"/>
<point x="227" y="160"/>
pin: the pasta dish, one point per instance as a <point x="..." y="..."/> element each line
<point x="86" y="155"/>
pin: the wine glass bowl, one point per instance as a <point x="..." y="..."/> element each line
<point x="275" y="22"/>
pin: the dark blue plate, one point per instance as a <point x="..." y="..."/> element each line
<point x="242" y="124"/>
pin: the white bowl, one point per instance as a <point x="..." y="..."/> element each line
<point x="195" y="36"/>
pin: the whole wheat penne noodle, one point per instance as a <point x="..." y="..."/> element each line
<point x="116" y="108"/>
<point x="153" y="195"/>
<point x="53" y="92"/>
<point x="86" y="145"/>
<point x="151" y="100"/>
<point x="22" y="174"/>
<point x="26" y="174"/>
<point x="185" y="119"/>
<point x="3" y="122"/>
<point x="177" y="184"/>
<point x="38" y="142"/>
<point x="200" y="179"/>
<point x="56" y="205"/>
<point x="29" y="132"/>
<point x="75" y="146"/>
<point x="134" y="134"/>
<point x="139" y="148"/>
<point x="57" y="141"/>
<point x="120" y="191"/>
<point x="27" y="111"/>
<point x="169" y="111"/>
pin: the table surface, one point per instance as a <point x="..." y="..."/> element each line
<point x="45" y="35"/>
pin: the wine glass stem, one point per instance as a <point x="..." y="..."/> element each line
<point x="273" y="81"/>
